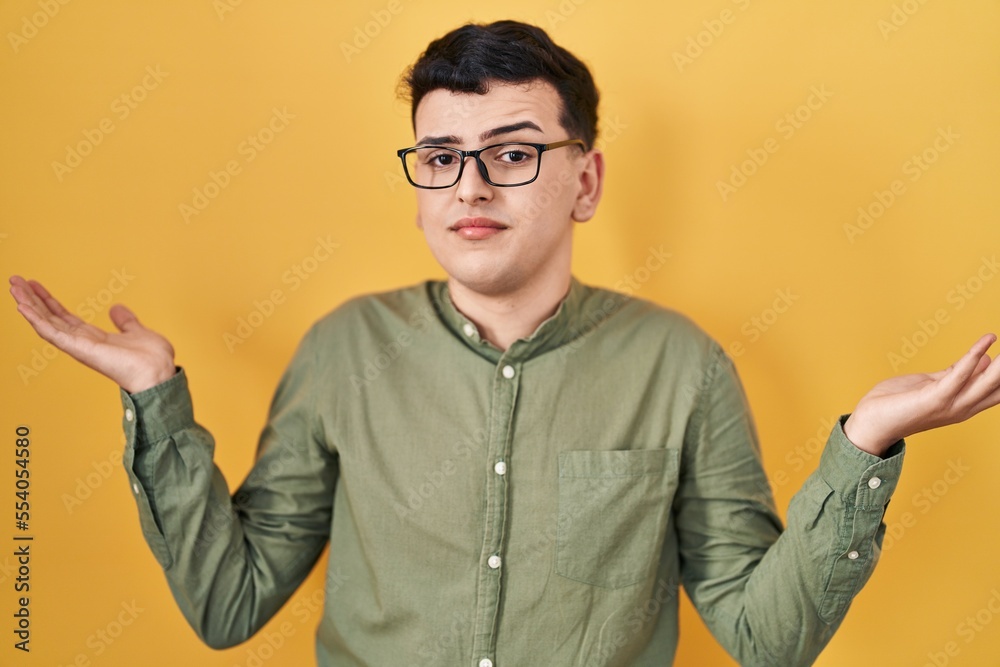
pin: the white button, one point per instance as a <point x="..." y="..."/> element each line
<point x="135" y="488"/>
<point x="485" y="662"/>
<point x="500" y="468"/>
<point x="494" y="562"/>
<point x="508" y="372"/>
<point x="469" y="330"/>
<point x="874" y="483"/>
<point x="853" y="555"/>
<point x="128" y="415"/>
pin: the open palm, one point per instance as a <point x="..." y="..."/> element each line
<point x="904" y="405"/>
<point x="136" y="358"/>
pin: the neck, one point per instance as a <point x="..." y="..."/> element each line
<point x="505" y="318"/>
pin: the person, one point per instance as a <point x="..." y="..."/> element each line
<point x="510" y="467"/>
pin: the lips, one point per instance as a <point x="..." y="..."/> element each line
<point x="477" y="228"/>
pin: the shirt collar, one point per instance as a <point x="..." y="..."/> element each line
<point x="582" y="309"/>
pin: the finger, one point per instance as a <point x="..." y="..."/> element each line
<point x="985" y="382"/>
<point x="960" y="372"/>
<point x="53" y="304"/>
<point x="987" y="393"/>
<point x="31" y="294"/>
<point x="24" y="294"/>
<point x="69" y="334"/>
<point x="124" y="318"/>
<point x="43" y="326"/>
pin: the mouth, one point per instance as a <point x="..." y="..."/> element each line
<point x="475" y="229"/>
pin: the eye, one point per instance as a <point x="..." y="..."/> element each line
<point x="440" y="159"/>
<point x="515" y="155"/>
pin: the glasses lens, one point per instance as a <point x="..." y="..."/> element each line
<point x="433" y="167"/>
<point x="438" y="167"/>
<point x="511" y="164"/>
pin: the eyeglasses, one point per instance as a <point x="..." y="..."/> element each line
<point x="503" y="165"/>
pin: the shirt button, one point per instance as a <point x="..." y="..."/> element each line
<point x="493" y="562"/>
<point x="500" y="468"/>
<point x="135" y="488"/>
<point x="485" y="662"/>
<point x="874" y="483"/>
<point x="469" y="330"/>
<point x="129" y="416"/>
<point x="853" y="555"/>
<point x="508" y="372"/>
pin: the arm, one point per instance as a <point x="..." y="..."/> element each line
<point x="231" y="563"/>
<point x="774" y="597"/>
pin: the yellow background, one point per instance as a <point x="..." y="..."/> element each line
<point x="673" y="129"/>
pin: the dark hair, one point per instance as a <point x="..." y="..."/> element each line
<point x="468" y="59"/>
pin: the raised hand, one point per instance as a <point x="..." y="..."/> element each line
<point x="909" y="404"/>
<point x="137" y="358"/>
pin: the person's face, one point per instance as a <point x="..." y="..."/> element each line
<point x="496" y="240"/>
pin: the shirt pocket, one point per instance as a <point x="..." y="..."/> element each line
<point x="613" y="511"/>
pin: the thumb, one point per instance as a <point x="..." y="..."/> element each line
<point x="124" y="318"/>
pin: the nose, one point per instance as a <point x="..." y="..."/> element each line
<point x="472" y="186"/>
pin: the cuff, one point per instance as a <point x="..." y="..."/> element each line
<point x="155" y="413"/>
<point x="860" y="479"/>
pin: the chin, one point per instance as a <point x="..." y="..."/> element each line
<point x="488" y="280"/>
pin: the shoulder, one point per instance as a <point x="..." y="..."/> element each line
<point x="378" y="310"/>
<point x="641" y="324"/>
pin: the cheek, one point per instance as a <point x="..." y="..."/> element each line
<point x="550" y="204"/>
<point x="426" y="210"/>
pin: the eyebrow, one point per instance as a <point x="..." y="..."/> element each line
<point x="488" y="134"/>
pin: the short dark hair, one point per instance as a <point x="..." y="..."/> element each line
<point x="470" y="58"/>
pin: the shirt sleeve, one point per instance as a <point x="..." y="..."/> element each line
<point x="231" y="561"/>
<point x="774" y="596"/>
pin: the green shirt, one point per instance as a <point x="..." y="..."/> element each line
<point x="534" y="506"/>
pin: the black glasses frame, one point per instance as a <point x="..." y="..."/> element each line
<point x="483" y="171"/>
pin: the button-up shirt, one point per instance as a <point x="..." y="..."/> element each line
<point x="539" y="505"/>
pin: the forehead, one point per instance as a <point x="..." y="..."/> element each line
<point x="466" y="115"/>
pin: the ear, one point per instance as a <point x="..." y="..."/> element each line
<point x="591" y="186"/>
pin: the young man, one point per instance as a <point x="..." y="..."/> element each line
<point x="541" y="464"/>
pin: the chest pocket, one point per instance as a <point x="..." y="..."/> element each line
<point x="613" y="512"/>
